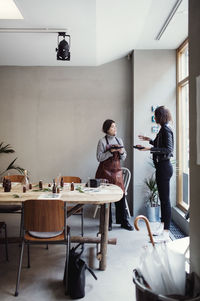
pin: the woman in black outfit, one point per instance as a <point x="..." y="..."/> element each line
<point x="162" y="150"/>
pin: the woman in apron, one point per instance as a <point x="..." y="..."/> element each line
<point x="110" y="151"/>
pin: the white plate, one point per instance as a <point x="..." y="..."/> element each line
<point x="49" y="196"/>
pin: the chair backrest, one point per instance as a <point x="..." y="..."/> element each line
<point x="126" y="177"/>
<point x="15" y="178"/>
<point x="44" y="215"/>
<point x="69" y="179"/>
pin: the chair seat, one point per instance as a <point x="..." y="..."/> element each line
<point x="43" y="239"/>
<point x="44" y="234"/>
<point x="10" y="208"/>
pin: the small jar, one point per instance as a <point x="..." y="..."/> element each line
<point x="58" y="189"/>
<point x="24" y="189"/>
<point x="7" y="186"/>
<point x="72" y="186"/>
<point x="30" y="186"/>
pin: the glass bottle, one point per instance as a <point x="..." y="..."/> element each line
<point x="61" y="182"/>
<point x="4" y="182"/>
<point x="72" y="186"/>
<point x="54" y="186"/>
<point x="40" y="184"/>
<point x="26" y="181"/>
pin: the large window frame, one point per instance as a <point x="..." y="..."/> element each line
<point x="182" y="84"/>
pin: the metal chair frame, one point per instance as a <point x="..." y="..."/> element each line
<point x="126" y="177"/>
<point x="70" y="179"/>
<point x="3" y="226"/>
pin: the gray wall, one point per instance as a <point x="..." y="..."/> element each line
<point x="52" y="116"/>
<point x="194" y="70"/>
<point x="154" y="84"/>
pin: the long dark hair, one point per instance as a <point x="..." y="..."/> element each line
<point x="106" y="125"/>
<point x="162" y="115"/>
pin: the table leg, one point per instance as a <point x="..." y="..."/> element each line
<point x="104" y="220"/>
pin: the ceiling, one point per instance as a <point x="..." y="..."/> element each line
<point x="101" y="30"/>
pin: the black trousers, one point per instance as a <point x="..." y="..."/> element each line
<point x="164" y="172"/>
<point x="120" y="210"/>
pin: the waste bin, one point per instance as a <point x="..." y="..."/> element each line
<point x="144" y="293"/>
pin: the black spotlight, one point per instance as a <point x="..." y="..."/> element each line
<point x="63" y="53"/>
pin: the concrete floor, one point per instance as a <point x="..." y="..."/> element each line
<point x="43" y="281"/>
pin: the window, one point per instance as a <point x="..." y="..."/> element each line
<point x="183" y="126"/>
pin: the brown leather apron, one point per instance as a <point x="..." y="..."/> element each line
<point x="110" y="169"/>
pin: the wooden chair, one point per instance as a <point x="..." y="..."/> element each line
<point x="44" y="217"/>
<point x="3" y="226"/>
<point x="15" y="178"/>
<point x="69" y="179"/>
<point x="12" y="208"/>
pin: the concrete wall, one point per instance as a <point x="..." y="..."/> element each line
<point x="194" y="71"/>
<point x="154" y="84"/>
<point x="52" y="116"/>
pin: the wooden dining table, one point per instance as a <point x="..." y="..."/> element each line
<point x="102" y="196"/>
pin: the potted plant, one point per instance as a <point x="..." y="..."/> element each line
<point x="7" y="149"/>
<point x="152" y="202"/>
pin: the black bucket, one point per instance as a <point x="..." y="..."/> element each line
<point x="143" y="293"/>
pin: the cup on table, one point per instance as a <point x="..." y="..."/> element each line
<point x="67" y="186"/>
<point x="104" y="182"/>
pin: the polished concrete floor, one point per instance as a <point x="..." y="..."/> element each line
<point x="43" y="281"/>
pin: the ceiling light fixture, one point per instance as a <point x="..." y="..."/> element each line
<point x="167" y="21"/>
<point x="63" y="53"/>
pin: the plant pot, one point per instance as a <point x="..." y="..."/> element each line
<point x="153" y="213"/>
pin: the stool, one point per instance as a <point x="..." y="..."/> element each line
<point x="3" y="226"/>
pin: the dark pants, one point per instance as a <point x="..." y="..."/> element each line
<point x="164" y="171"/>
<point x="121" y="213"/>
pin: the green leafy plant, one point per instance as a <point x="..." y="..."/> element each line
<point x="152" y="191"/>
<point x="7" y="149"/>
<point x="79" y="188"/>
<point x="16" y="196"/>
